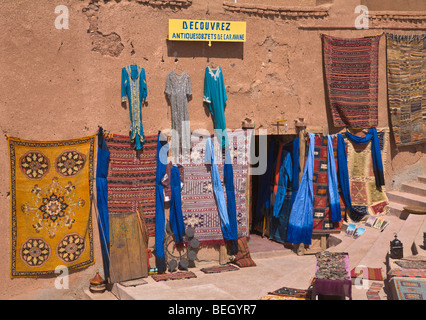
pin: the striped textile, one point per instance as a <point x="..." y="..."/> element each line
<point x="406" y="74"/>
<point x="199" y="206"/>
<point x="322" y="220"/>
<point x="220" y="269"/>
<point x="351" y="71"/>
<point x="174" y="276"/>
<point x="131" y="177"/>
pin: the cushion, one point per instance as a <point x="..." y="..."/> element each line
<point x="243" y="258"/>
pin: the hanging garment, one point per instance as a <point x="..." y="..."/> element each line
<point x="134" y="90"/>
<point x="295" y="161"/>
<point x="406" y="84"/>
<point x="228" y="229"/>
<point x="285" y="177"/>
<point x="160" y="220"/>
<point x="354" y="215"/>
<point x="351" y="71"/>
<point x="277" y="168"/>
<point x="301" y="222"/>
<point x="333" y="189"/>
<point x="215" y="98"/>
<point x="176" y="218"/>
<point x="375" y="152"/>
<point x="178" y="89"/>
<point x="102" y="199"/>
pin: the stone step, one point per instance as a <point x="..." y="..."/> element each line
<point x="397" y="209"/>
<point x="406" y="198"/>
<point x="422" y="179"/>
<point x="418" y="246"/>
<point x="414" y="187"/>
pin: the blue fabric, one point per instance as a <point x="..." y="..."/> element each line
<point x="375" y="152"/>
<point x="301" y="216"/>
<point x="265" y="184"/>
<point x="176" y="217"/>
<point x="342" y="160"/>
<point x="215" y="98"/>
<point x="219" y="194"/>
<point x="295" y="157"/>
<point x="162" y="151"/>
<point x="134" y="90"/>
<point x="286" y="173"/>
<point x="333" y="189"/>
<point x="228" y="174"/>
<point x="102" y="198"/>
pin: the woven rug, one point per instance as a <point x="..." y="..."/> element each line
<point x="274" y="297"/>
<point x="174" y="276"/>
<point x="199" y="207"/>
<point x="373" y="291"/>
<point x="365" y="196"/>
<point x="406" y="74"/>
<point x="322" y="222"/>
<point x="291" y="292"/>
<point x="219" y="269"/>
<point x="411" y="264"/>
<point x="371" y="273"/>
<point x="410" y="273"/>
<point x="131" y="177"/>
<point x="51" y="197"/>
<point x="408" y="289"/>
<point x="351" y="71"/>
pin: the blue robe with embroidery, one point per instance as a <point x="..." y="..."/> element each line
<point x="134" y="90"/>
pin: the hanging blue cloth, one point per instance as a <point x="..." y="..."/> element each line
<point x="301" y="216"/>
<point x="228" y="174"/>
<point x="225" y="222"/>
<point x="176" y="217"/>
<point x="102" y="198"/>
<point x="264" y="199"/>
<point x="286" y="173"/>
<point x="160" y="220"/>
<point x="342" y="160"/>
<point x="333" y="189"/>
<point x="375" y="152"/>
<point x="295" y="161"/>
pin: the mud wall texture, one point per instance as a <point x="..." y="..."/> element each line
<point x="64" y="83"/>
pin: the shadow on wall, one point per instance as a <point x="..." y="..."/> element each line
<point x="197" y="49"/>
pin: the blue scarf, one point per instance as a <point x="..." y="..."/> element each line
<point x="301" y="217"/>
<point x="344" y="179"/>
<point x="176" y="217"/>
<point x="375" y="152"/>
<point x="160" y="220"/>
<point x="285" y="177"/>
<point x="333" y="191"/>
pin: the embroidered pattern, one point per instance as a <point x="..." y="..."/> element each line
<point x="34" y="165"/>
<point x="69" y="163"/>
<point x="71" y="247"/>
<point x="35" y="252"/>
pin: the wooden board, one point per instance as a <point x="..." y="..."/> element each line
<point x="128" y="250"/>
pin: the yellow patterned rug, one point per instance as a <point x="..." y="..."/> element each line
<point x="51" y="189"/>
<point x="365" y="196"/>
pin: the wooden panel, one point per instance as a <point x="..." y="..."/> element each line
<point x="128" y="250"/>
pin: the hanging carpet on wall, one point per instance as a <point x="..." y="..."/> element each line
<point x="131" y="177"/>
<point x="322" y="218"/>
<point x="366" y="196"/>
<point x="51" y="198"/>
<point x="406" y="75"/>
<point x="199" y="206"/>
<point x="351" y="71"/>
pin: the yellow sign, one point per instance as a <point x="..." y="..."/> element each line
<point x="206" y="30"/>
